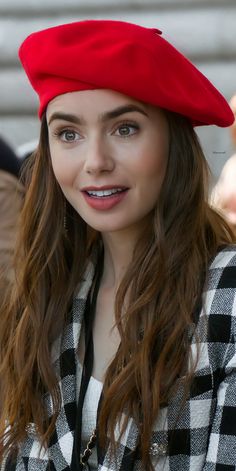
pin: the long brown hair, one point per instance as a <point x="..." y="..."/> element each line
<point x="164" y="282"/>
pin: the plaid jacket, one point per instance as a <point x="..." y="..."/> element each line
<point x="204" y="437"/>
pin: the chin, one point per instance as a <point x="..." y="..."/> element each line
<point x="107" y="228"/>
<point x="110" y="226"/>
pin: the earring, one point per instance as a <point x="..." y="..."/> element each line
<point x="65" y="218"/>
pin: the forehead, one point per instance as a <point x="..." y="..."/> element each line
<point x="101" y="106"/>
<point x="91" y="99"/>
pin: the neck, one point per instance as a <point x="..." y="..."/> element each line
<point x="118" y="252"/>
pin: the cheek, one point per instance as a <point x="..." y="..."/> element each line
<point x="153" y="162"/>
<point x="63" y="169"/>
<point x="230" y="204"/>
<point x="157" y="152"/>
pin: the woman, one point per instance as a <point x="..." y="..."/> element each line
<point x="117" y="346"/>
<point x="11" y="199"/>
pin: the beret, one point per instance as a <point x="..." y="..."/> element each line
<point x="124" y="57"/>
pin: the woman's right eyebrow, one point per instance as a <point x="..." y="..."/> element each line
<point x="65" y="117"/>
<point x="106" y="116"/>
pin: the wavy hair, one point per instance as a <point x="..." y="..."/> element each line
<point x="162" y="284"/>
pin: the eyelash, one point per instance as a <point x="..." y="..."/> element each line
<point x="128" y="125"/>
<point x="59" y="132"/>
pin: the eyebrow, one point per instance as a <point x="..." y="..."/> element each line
<point x="108" y="115"/>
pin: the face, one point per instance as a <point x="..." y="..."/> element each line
<point x="233" y="127"/>
<point x="229" y="209"/>
<point x="109" y="155"/>
<point x="226" y="191"/>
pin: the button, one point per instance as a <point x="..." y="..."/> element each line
<point x="158" y="449"/>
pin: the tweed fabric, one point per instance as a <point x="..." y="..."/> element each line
<point x="203" y="437"/>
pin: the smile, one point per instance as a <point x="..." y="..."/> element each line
<point x="104" y="193"/>
<point x="104" y="199"/>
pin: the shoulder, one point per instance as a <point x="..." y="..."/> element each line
<point x="10" y="185"/>
<point x="222" y="270"/>
<point x="7" y="179"/>
<point x="216" y="324"/>
<point x="219" y="297"/>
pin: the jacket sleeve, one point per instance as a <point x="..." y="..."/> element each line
<point x="221" y="453"/>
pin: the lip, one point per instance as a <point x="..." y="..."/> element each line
<point x="104" y="187"/>
<point x="107" y="202"/>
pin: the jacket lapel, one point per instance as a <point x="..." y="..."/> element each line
<point x="65" y="360"/>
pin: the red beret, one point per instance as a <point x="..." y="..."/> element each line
<point x="124" y="57"/>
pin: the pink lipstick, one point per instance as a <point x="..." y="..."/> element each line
<point x="105" y="197"/>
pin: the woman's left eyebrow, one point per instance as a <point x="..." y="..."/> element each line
<point x="106" y="116"/>
<point x="121" y="110"/>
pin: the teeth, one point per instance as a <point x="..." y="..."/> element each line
<point x="101" y="193"/>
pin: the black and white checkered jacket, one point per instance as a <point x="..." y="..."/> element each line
<point x="204" y="438"/>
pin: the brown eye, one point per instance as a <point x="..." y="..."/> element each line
<point x="126" y="130"/>
<point x="69" y="136"/>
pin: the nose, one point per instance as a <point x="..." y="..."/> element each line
<point x="98" y="157"/>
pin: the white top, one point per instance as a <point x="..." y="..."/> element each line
<point x="89" y="415"/>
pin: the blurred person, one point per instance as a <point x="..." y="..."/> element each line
<point x="118" y="343"/>
<point x="223" y="196"/>
<point x="232" y="128"/>
<point x="26" y="150"/>
<point x="224" y="193"/>
<point x="11" y="200"/>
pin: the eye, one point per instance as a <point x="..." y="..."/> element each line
<point x="127" y="129"/>
<point x="68" y="135"/>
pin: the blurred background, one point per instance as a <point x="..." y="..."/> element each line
<point x="204" y="30"/>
